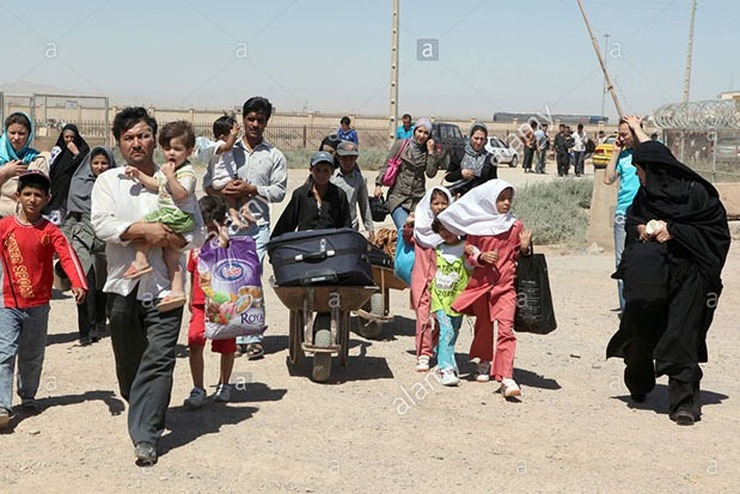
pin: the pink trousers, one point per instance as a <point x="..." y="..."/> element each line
<point x="426" y="336"/>
<point x="482" y="347"/>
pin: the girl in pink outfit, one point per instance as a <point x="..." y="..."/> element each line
<point x="418" y="231"/>
<point x="495" y="239"/>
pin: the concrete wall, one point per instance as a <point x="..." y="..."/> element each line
<point x="604" y="200"/>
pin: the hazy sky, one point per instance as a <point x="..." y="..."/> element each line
<point x="334" y="56"/>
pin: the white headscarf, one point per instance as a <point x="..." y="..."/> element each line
<point x="475" y="213"/>
<point x="423" y="219"/>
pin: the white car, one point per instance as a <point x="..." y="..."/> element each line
<point x="503" y="153"/>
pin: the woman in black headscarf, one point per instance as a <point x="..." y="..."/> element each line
<point x="66" y="156"/>
<point x="677" y="242"/>
<point x="477" y="165"/>
<point x="91" y="316"/>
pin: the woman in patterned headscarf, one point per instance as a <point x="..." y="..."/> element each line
<point x="16" y="156"/>
<point x="418" y="159"/>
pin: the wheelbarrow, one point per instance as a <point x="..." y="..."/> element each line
<point x="319" y="322"/>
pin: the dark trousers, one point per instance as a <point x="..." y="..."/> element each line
<point x="541" y="161"/>
<point x="91" y="314"/>
<point x="563" y="160"/>
<point x="144" y="342"/>
<point x="528" y="157"/>
<point x="683" y="379"/>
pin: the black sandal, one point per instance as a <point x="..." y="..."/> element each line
<point x="254" y="351"/>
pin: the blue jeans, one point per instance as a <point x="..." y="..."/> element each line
<point x="449" y="328"/>
<point x="399" y="216"/>
<point x="22" y="333"/>
<point x="261" y="236"/>
<point x="579" y="157"/>
<point x="620" y="235"/>
<point x="541" y="160"/>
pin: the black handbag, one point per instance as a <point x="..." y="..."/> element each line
<point x="378" y="209"/>
<point x="645" y="271"/>
<point x="534" y="310"/>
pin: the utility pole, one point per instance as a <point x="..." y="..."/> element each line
<point x="606" y="59"/>
<point x="689" y="51"/>
<point x="393" y="117"/>
<point x="687" y="73"/>
<point x="610" y="86"/>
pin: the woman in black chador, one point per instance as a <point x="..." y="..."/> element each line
<point x="677" y="242"/>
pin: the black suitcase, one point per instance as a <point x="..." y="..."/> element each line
<point x="321" y="257"/>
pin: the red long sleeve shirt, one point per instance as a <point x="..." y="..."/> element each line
<point x="26" y="258"/>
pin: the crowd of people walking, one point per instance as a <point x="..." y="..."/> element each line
<point x="121" y="232"/>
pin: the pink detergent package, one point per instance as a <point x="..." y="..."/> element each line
<point x="230" y="279"/>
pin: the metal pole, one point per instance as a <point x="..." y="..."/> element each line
<point x="689" y="51"/>
<point x="393" y="115"/>
<point x="610" y="86"/>
<point x="713" y="133"/>
<point x="106" y="119"/>
<point x="687" y="73"/>
<point x="606" y="59"/>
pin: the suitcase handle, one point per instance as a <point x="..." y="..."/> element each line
<point x="315" y="256"/>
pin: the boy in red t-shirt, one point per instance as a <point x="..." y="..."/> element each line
<point x="28" y="243"/>
<point x="213" y="209"/>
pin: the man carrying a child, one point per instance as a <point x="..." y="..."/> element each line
<point x="262" y="178"/>
<point x="143" y="338"/>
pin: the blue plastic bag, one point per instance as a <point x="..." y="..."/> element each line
<point x="403" y="263"/>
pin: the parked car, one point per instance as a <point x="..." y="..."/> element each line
<point x="728" y="150"/>
<point x="503" y="153"/>
<point x="448" y="138"/>
<point x="603" y="152"/>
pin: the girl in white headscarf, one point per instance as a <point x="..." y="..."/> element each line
<point x="495" y="239"/>
<point x="418" y="231"/>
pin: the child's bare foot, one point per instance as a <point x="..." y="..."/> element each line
<point x="236" y="222"/>
<point x="247" y="217"/>
<point x="136" y="270"/>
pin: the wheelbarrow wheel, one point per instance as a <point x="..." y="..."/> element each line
<point x="295" y="338"/>
<point x="321" y="366"/>
<point x="372" y="330"/>
<point x="322" y="338"/>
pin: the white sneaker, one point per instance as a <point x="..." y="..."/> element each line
<point x="448" y="377"/>
<point x="509" y="388"/>
<point x="422" y="364"/>
<point x="484" y="372"/>
<point x="196" y="399"/>
<point x="223" y="393"/>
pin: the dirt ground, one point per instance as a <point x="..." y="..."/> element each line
<point x="379" y="426"/>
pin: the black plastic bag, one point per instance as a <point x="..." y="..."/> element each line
<point x="378" y="209"/>
<point x="534" y="309"/>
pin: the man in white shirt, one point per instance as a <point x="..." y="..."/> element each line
<point x="579" y="149"/>
<point x="143" y="338"/>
